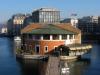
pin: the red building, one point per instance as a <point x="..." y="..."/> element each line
<point x="43" y="38"/>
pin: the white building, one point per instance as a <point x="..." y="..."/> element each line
<point x="4" y="30"/>
<point x="74" y="22"/>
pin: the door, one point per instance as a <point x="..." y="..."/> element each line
<point x="37" y="49"/>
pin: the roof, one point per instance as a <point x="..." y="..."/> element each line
<point x="37" y="28"/>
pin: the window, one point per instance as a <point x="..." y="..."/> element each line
<point x="36" y="37"/>
<point x="46" y="37"/>
<point x="55" y="37"/>
<point x="64" y="37"/>
<point x="30" y="36"/>
<point x="71" y="36"/>
<point x="46" y="48"/>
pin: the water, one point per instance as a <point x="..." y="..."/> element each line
<point x="8" y="63"/>
<point x="10" y="66"/>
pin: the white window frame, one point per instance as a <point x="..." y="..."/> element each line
<point x="45" y="48"/>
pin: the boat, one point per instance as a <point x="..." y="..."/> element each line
<point x="17" y="38"/>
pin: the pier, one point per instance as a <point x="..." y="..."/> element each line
<point x="57" y="67"/>
<point x="53" y="67"/>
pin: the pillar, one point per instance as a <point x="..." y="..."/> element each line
<point x="51" y="37"/>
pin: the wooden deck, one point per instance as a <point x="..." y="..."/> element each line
<point x="53" y="67"/>
<point x="56" y="67"/>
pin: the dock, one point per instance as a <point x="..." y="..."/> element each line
<point x="53" y="67"/>
<point x="56" y="67"/>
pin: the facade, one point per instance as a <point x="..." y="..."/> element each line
<point x="18" y="21"/>
<point x="4" y="30"/>
<point x="15" y="24"/>
<point x="89" y="24"/>
<point x="90" y="28"/>
<point x="92" y="19"/>
<point x="46" y="15"/>
<point x="44" y="38"/>
<point x="73" y="21"/>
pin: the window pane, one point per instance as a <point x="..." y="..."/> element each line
<point x="64" y="37"/>
<point x="36" y="37"/>
<point x="55" y="37"/>
<point x="70" y="36"/>
<point x="46" y="37"/>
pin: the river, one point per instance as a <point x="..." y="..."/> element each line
<point x="9" y="65"/>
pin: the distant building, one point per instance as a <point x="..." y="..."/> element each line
<point x="73" y="21"/>
<point x="27" y="21"/>
<point x="89" y="24"/>
<point x="44" y="38"/>
<point x="16" y="23"/>
<point x="90" y="28"/>
<point x="91" y="19"/>
<point x="46" y="15"/>
<point x="4" y="30"/>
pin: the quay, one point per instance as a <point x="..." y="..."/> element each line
<point x="32" y="57"/>
<point x="69" y="52"/>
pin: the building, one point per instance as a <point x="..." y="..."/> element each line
<point x="4" y="30"/>
<point x="90" y="27"/>
<point x="46" y="15"/>
<point x="15" y="24"/>
<point x="89" y="24"/>
<point x="73" y="21"/>
<point x="91" y="19"/>
<point x="18" y="21"/>
<point x="44" y="38"/>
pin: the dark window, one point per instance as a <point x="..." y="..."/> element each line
<point x="46" y="37"/>
<point x="55" y="37"/>
<point x="71" y="36"/>
<point x="64" y="37"/>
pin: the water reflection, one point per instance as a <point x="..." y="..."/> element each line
<point x="33" y="67"/>
<point x="10" y="66"/>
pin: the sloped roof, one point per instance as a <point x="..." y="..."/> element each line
<point x="37" y="28"/>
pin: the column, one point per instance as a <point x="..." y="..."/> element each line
<point x="60" y="37"/>
<point x="51" y="37"/>
<point x="67" y="37"/>
<point x="73" y="36"/>
<point x="41" y="37"/>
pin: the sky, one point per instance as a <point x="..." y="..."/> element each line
<point x="67" y="7"/>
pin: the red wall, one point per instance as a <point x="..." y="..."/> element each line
<point x="42" y="44"/>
